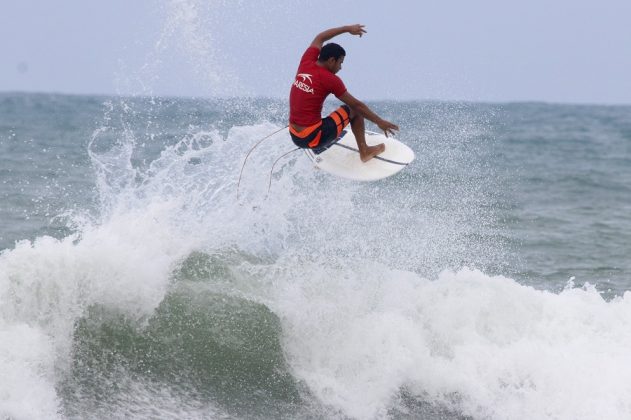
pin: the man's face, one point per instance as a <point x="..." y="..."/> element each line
<point x="338" y="65"/>
<point x="335" y="65"/>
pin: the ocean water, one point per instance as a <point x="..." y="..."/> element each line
<point x="488" y="280"/>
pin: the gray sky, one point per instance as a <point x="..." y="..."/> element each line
<point x="480" y="50"/>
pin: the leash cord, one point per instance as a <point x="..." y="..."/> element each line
<point x="269" y="186"/>
<point x="248" y="155"/>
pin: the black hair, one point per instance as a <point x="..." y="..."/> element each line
<point x="331" y="50"/>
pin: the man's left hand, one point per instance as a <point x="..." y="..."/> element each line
<point x="357" y="30"/>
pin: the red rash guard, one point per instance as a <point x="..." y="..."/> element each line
<point x="312" y="85"/>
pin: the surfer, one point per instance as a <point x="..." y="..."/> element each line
<point x="315" y="79"/>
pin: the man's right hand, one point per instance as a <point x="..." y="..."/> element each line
<point x="387" y="127"/>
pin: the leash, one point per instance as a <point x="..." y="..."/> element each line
<point x="269" y="186"/>
<point x="250" y="151"/>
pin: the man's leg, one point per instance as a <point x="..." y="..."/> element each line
<point x="359" y="130"/>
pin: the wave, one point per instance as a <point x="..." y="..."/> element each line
<point x="325" y="299"/>
<point x="238" y="336"/>
<point x="483" y="346"/>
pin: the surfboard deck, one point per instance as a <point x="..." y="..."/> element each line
<point x="342" y="158"/>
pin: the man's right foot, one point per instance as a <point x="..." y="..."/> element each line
<point x="371" y="151"/>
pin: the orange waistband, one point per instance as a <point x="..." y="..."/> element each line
<point x="306" y="132"/>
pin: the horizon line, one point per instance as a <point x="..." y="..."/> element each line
<point x="263" y="97"/>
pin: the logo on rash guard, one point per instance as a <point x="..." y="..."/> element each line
<point x="302" y="85"/>
<point x="305" y="76"/>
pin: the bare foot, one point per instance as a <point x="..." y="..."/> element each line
<point x="371" y="151"/>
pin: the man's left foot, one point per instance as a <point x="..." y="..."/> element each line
<point x="371" y="151"/>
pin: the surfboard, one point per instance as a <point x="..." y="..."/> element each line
<point x="342" y="158"/>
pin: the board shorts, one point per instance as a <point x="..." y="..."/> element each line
<point x="322" y="134"/>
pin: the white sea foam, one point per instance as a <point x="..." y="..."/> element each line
<point x="27" y="377"/>
<point x="123" y="263"/>
<point x="485" y="346"/>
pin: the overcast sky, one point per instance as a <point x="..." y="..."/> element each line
<point x="576" y="51"/>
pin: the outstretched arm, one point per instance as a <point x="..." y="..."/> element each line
<point x="322" y="37"/>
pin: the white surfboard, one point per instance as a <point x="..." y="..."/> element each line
<point x="342" y="158"/>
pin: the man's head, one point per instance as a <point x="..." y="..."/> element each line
<point x="332" y="57"/>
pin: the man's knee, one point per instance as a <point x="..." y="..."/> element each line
<point x="352" y="114"/>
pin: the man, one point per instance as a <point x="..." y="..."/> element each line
<point x="315" y="79"/>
